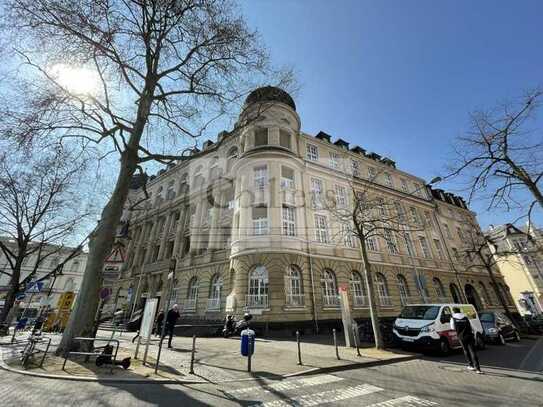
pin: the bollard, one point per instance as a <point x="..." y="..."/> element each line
<point x="356" y="339"/>
<point x="191" y="371"/>
<point x="250" y="355"/>
<point x="299" y="350"/>
<point x="335" y="343"/>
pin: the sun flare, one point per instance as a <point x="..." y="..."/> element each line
<point x="76" y="80"/>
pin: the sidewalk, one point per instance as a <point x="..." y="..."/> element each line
<point x="217" y="360"/>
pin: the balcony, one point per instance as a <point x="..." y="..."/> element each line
<point x="360" y="301"/>
<point x="214" y="304"/>
<point x="295" y="300"/>
<point x="256" y="301"/>
<point x="330" y="300"/>
<point x="190" y="305"/>
<point x="385" y="301"/>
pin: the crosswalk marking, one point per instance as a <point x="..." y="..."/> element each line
<point x="323" y="397"/>
<point x="406" y="401"/>
<point x="288" y="385"/>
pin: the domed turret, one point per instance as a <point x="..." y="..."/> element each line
<point x="270" y="94"/>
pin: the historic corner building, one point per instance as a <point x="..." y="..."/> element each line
<point x="244" y="218"/>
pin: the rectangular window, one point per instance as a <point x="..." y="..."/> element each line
<point x="447" y="231"/>
<point x="371" y="244"/>
<point x="260" y="220"/>
<point x="409" y="244"/>
<point x="355" y="166"/>
<point x="388" y="180"/>
<point x="261" y="177"/>
<point x="348" y="237"/>
<point x="316" y="192"/>
<point x="287" y="178"/>
<point x="381" y="207"/>
<point x="372" y="174"/>
<point x="341" y="196"/>
<point x="261" y="137"/>
<point x="289" y="220"/>
<point x="334" y="160"/>
<point x="404" y="185"/>
<point x="321" y="229"/>
<point x="312" y="152"/>
<point x="284" y="139"/>
<point x="439" y="248"/>
<point x="428" y="219"/>
<point x="400" y="212"/>
<point x="414" y="215"/>
<point x="392" y="245"/>
<point x="455" y="253"/>
<point x="424" y="247"/>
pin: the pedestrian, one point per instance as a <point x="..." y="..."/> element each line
<point x="159" y="321"/>
<point x="171" y="319"/>
<point x="462" y="325"/>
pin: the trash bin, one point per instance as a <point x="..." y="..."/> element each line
<point x="246" y="336"/>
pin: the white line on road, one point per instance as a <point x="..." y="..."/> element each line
<point x="288" y="384"/>
<point x="329" y="396"/>
<point x="406" y="401"/>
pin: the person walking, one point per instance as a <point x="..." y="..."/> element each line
<point x="171" y="319"/>
<point x="159" y="321"/>
<point x="462" y="325"/>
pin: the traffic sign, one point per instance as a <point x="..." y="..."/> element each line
<point x="19" y="296"/>
<point x="34" y="287"/>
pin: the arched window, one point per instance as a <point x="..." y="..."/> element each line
<point x="69" y="285"/>
<point x="403" y="288"/>
<point x="215" y="292"/>
<point x="486" y="296"/>
<point x="75" y="267"/>
<point x="329" y="288"/>
<point x="258" y="288"/>
<point x="455" y="293"/>
<point x="192" y="294"/>
<point x="358" y="288"/>
<point x="293" y="286"/>
<point x="438" y="288"/>
<point x="382" y="289"/>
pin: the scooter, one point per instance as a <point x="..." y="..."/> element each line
<point x="231" y="327"/>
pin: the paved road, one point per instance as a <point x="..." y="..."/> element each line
<point x="424" y="382"/>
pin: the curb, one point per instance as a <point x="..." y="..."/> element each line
<point x="7" y="368"/>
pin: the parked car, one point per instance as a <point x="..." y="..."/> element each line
<point x="498" y="328"/>
<point x="428" y="326"/>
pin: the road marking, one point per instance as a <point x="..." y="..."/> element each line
<point x="288" y="384"/>
<point x="329" y="396"/>
<point x="406" y="401"/>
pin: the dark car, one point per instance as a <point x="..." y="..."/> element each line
<point x="498" y="328"/>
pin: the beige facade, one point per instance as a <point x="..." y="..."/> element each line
<point x="521" y="266"/>
<point x="244" y="219"/>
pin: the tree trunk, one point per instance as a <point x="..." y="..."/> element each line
<point x="82" y="318"/>
<point x="374" y="308"/>
<point x="12" y="292"/>
<point x="499" y="294"/>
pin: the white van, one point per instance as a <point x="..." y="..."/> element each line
<point x="428" y="326"/>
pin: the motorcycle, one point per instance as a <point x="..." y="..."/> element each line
<point x="231" y="327"/>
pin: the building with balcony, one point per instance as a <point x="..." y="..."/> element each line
<point x="520" y="261"/>
<point x="246" y="220"/>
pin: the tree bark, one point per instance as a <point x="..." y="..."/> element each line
<point x="499" y="294"/>
<point x="374" y="308"/>
<point x="82" y="317"/>
<point x="12" y="292"/>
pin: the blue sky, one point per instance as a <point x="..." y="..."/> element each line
<point x="400" y="77"/>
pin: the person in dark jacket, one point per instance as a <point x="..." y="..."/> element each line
<point x="461" y="324"/>
<point x="171" y="319"/>
<point x="159" y="321"/>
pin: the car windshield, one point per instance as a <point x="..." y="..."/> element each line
<point x="428" y="312"/>
<point x="486" y="317"/>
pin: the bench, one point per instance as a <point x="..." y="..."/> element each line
<point x="92" y="354"/>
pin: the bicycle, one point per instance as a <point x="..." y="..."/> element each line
<point x="28" y="351"/>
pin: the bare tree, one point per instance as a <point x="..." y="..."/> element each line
<point x="365" y="216"/>
<point x="501" y="157"/>
<point x="165" y="71"/>
<point x="39" y="214"/>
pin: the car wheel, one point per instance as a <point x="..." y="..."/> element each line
<point x="501" y="339"/>
<point x="516" y="336"/>
<point x="480" y="342"/>
<point x="444" y="347"/>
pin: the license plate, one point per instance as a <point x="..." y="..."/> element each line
<point x="408" y="339"/>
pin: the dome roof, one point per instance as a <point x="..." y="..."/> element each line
<point x="270" y="94"/>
